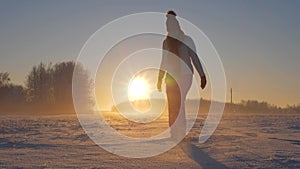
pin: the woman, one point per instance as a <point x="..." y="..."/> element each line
<point x="182" y="46"/>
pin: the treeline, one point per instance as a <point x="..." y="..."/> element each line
<point x="254" y="106"/>
<point x="47" y="89"/>
<point x="245" y="106"/>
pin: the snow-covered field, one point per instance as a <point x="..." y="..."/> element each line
<point x="240" y="141"/>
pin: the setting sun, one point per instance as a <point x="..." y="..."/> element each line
<point x="138" y="89"/>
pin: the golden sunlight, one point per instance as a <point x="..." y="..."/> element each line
<point x="138" y="89"/>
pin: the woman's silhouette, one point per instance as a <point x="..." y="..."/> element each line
<point x="176" y="44"/>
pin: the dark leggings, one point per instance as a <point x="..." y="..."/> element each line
<point x="176" y="103"/>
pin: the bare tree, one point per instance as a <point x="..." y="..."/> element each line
<point x="38" y="85"/>
<point x="62" y="85"/>
<point x="4" y="78"/>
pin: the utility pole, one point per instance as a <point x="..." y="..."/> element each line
<point x="231" y="96"/>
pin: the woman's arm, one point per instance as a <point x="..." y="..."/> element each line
<point x="196" y="62"/>
<point x="195" y="58"/>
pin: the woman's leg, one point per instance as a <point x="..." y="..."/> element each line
<point x="174" y="99"/>
<point x="176" y="104"/>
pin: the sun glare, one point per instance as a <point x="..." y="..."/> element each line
<point x="138" y="89"/>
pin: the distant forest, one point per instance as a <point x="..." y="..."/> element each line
<point x="48" y="90"/>
<point x="245" y="106"/>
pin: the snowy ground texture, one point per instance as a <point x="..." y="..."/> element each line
<point x="240" y="141"/>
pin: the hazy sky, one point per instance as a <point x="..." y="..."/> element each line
<point x="258" y="41"/>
